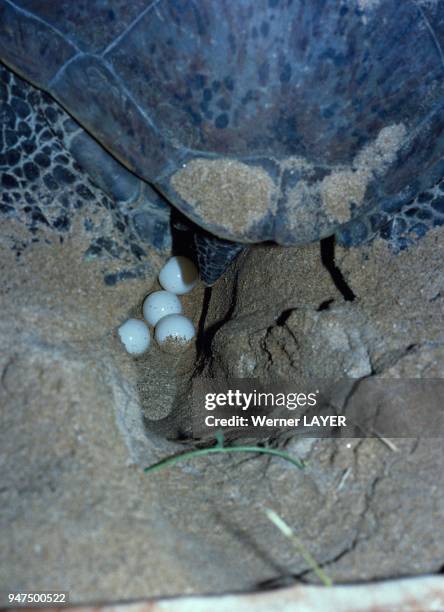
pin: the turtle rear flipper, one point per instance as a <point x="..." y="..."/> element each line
<point x="148" y="211"/>
<point x="401" y="224"/>
<point x="411" y="223"/>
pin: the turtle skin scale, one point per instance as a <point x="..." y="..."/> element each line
<point x="259" y="120"/>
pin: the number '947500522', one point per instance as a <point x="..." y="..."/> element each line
<point x="37" y="598"/>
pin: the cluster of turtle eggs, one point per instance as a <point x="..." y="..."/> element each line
<point x="163" y="311"/>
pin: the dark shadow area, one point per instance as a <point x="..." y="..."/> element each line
<point x="328" y="261"/>
<point x="182" y="233"/>
<point x="325" y="305"/>
<point x="283" y="317"/>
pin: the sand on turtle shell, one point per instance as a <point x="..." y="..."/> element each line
<point x="226" y="192"/>
<point x="344" y="187"/>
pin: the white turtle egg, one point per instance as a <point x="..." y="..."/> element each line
<point x="159" y="304"/>
<point x="179" y="275"/>
<point x="135" y="336"/>
<point x="175" y="330"/>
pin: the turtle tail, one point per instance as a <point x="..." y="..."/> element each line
<point x="214" y="256"/>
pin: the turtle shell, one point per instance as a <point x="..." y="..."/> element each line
<point x="259" y="119"/>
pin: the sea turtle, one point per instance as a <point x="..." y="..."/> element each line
<point x="260" y="120"/>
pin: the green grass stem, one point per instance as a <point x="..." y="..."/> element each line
<point x="223" y="449"/>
